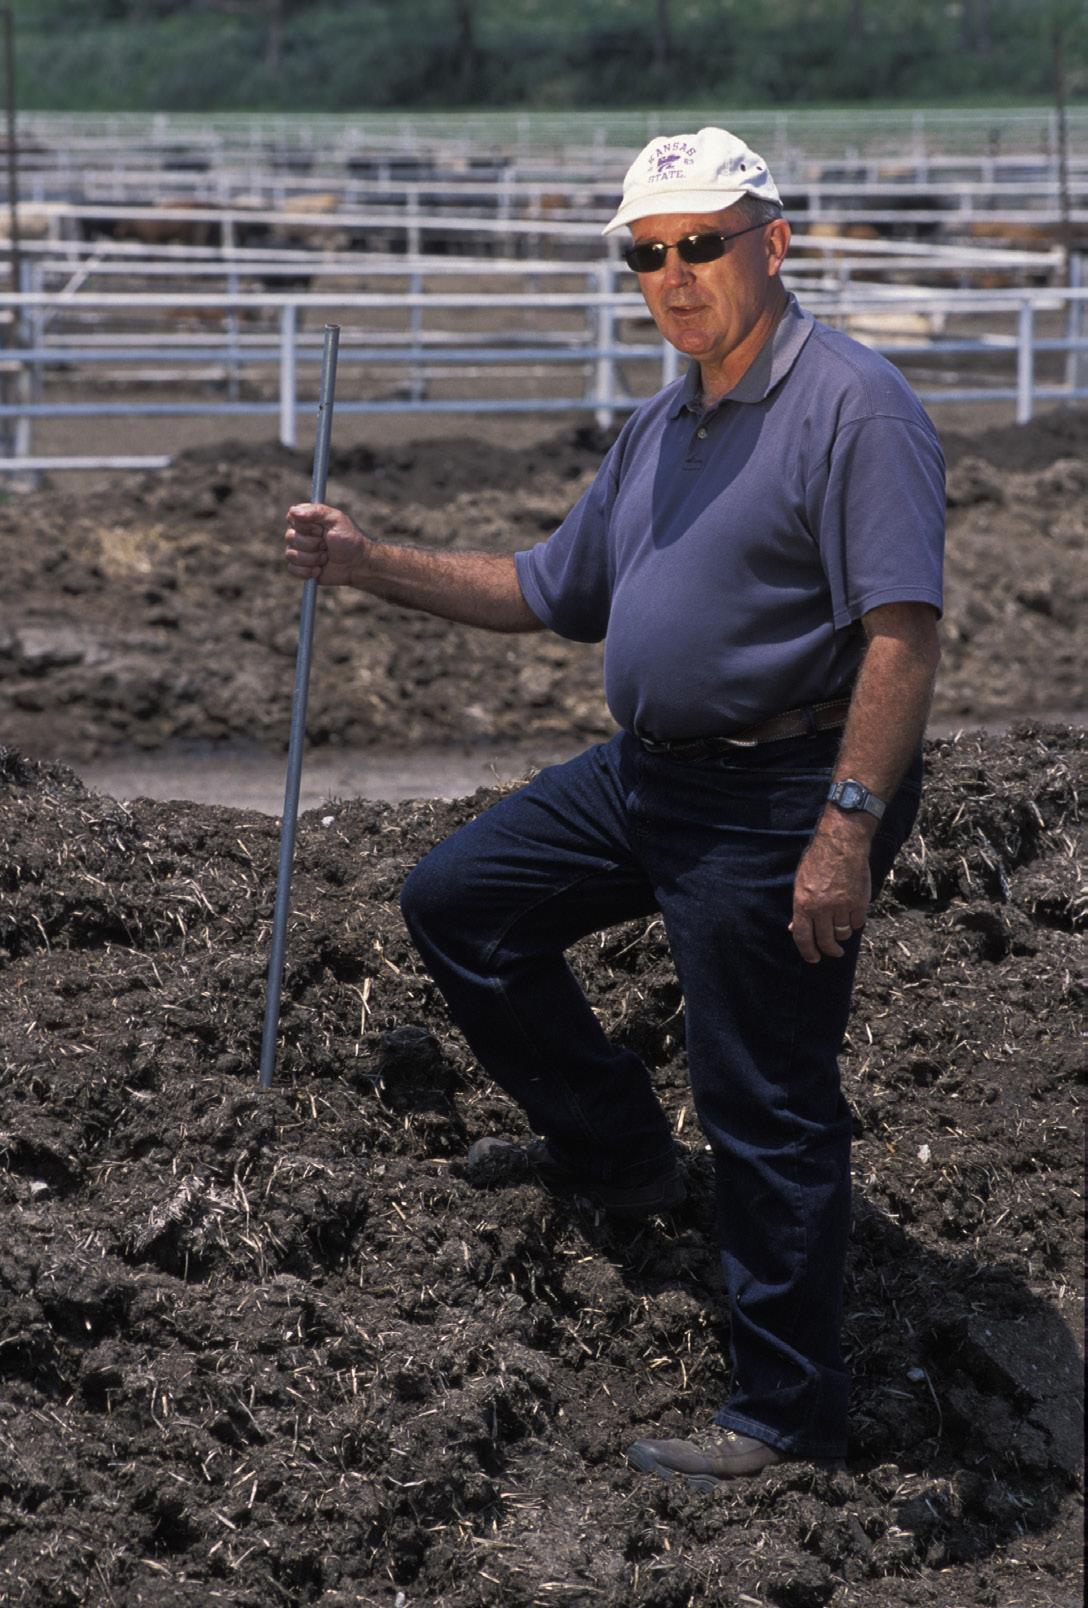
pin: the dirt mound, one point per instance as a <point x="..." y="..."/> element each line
<point x="165" y="617"/>
<point x="1057" y="433"/>
<point x="277" y="1348"/>
<point x="1014" y="632"/>
<point x="427" y="472"/>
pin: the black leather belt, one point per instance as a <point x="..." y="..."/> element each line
<point x="804" y="722"/>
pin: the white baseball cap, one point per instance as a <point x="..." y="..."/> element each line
<point x="702" y="172"/>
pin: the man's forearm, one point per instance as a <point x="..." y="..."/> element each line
<point x="887" y="718"/>
<point x="888" y="714"/>
<point x="472" y="588"/>
<point x="885" y="725"/>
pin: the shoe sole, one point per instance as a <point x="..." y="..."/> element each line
<point x="641" y="1458"/>
<point x="644" y="1460"/>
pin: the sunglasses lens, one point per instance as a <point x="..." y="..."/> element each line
<point x="701" y="248"/>
<point x="650" y="256"/>
<point x="645" y="259"/>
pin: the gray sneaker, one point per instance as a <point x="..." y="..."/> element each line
<point x="711" y="1456"/>
<point x="494" y="1160"/>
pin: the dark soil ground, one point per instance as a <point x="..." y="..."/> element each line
<point x="159" y="614"/>
<point x="262" y="1348"/>
<point x="279" y="1348"/>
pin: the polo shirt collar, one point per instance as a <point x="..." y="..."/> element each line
<point x="768" y="368"/>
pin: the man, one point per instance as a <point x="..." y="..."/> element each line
<point x="761" y="553"/>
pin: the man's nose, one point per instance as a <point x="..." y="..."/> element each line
<point x="676" y="271"/>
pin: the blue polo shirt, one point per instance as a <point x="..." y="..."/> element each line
<point x="727" y="555"/>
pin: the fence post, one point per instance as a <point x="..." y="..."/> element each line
<point x="921" y="155"/>
<point x="417" y="388"/>
<point x="233" y="368"/>
<point x="413" y="235"/>
<point x="1074" y="325"/>
<point x="29" y="329"/>
<point x="1025" y="362"/>
<point x="604" y="368"/>
<point x="783" y="154"/>
<point x="288" y="376"/>
<point x="229" y="242"/>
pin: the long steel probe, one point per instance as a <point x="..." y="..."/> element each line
<point x="298" y="721"/>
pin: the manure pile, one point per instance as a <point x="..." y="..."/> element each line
<point x="277" y="1348"/>
<point x="165" y="616"/>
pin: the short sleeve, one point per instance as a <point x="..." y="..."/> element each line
<point x="567" y="580"/>
<point x="877" y="508"/>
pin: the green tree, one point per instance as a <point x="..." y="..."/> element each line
<point x="664" y="47"/>
<point x="355" y="54"/>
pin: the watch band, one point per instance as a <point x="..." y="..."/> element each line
<point x="851" y="795"/>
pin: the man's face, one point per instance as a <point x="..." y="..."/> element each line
<point x="708" y="309"/>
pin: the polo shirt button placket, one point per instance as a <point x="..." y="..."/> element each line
<point x="695" y="455"/>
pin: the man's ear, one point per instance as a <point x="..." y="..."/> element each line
<point x="777" y="240"/>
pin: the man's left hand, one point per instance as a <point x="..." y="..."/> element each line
<point x="832" y="889"/>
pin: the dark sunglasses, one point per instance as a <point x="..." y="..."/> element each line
<point x="649" y="256"/>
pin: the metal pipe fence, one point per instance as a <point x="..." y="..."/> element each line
<point x="900" y="134"/>
<point x="103" y="258"/>
<point x="601" y="334"/>
<point x="974" y="185"/>
<point x="407" y="223"/>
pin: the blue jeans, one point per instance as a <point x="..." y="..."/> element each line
<point x="714" y="845"/>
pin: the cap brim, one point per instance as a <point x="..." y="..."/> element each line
<point x="673" y="200"/>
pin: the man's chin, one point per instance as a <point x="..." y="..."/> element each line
<point x="687" y="333"/>
<point x="692" y="342"/>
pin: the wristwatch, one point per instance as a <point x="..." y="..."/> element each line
<point x="850" y="796"/>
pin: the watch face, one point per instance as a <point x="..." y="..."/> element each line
<point x="851" y="796"/>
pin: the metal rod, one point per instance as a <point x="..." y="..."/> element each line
<point x="298" y="723"/>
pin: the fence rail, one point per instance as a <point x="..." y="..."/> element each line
<point x="828" y="253"/>
<point x="585" y="135"/>
<point x="571" y="229"/>
<point x="977" y="183"/>
<point x="601" y="334"/>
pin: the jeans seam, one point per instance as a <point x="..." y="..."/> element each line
<point x="787" y="1332"/>
<point x="794" y="1149"/>
<point x="487" y="955"/>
